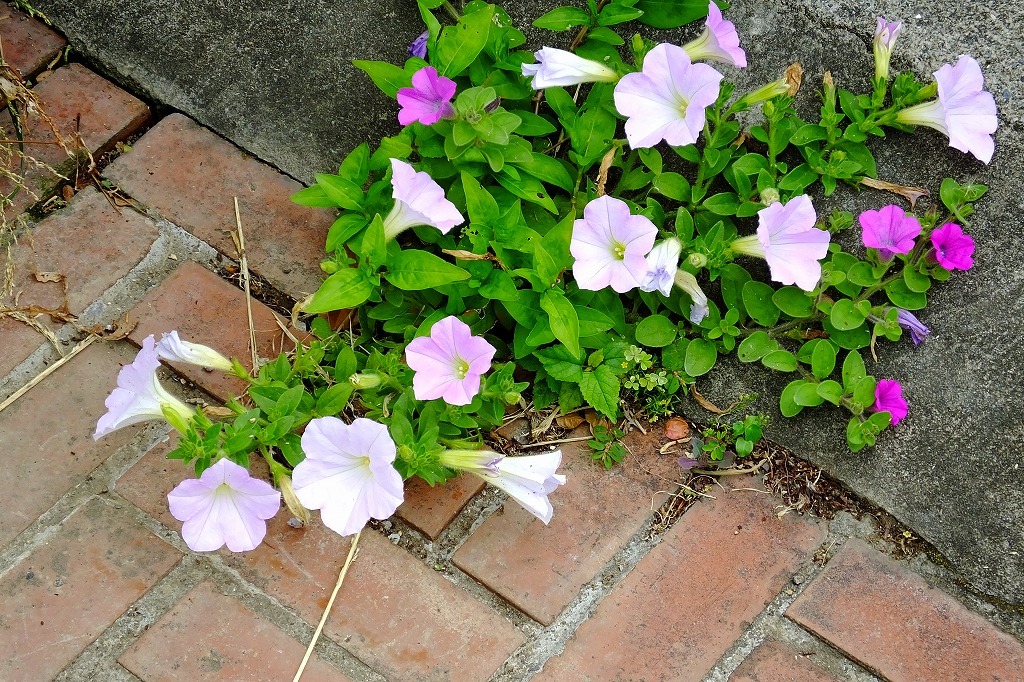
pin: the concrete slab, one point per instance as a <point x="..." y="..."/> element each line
<point x="277" y="80"/>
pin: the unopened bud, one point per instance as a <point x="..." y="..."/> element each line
<point x="365" y="380"/>
<point x="511" y="397"/>
<point x="284" y="484"/>
<point x="769" y="196"/>
<point x="697" y="260"/>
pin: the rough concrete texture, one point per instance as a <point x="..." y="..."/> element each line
<point x="278" y="81"/>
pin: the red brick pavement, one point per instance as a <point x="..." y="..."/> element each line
<point x="676" y="614"/>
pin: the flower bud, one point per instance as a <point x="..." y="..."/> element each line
<point x="770" y="195"/>
<point x="511" y="397"/>
<point x="365" y="380"/>
<point x="697" y="260"/>
<point x="284" y="484"/>
<point x="885" y="37"/>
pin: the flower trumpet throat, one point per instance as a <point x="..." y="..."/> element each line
<point x="529" y="480"/>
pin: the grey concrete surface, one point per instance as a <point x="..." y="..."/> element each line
<point x="277" y="80"/>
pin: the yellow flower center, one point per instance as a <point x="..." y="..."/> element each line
<point x="619" y="250"/>
<point x="461" y="368"/>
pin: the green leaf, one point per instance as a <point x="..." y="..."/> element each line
<point x="288" y="401"/>
<point x="862" y="274"/>
<point x="565" y="324"/>
<point x="344" y="228"/>
<point x="902" y="297"/>
<point x="807" y="395"/>
<point x="793" y="301"/>
<point x="854" y="434"/>
<point x="797" y="179"/>
<point x="671" y="13"/>
<point x="480" y="205"/>
<point x="701" y="356"/>
<point x="864" y="391"/>
<point x="593" y="321"/>
<point x="808" y="133"/>
<point x="562" y="19"/>
<point x="845" y="316"/>
<point x="334" y="399"/>
<point x="532" y="125"/>
<point x="617" y="14"/>
<point x="831" y="391"/>
<point x="656" y="331"/>
<point x="823" y="360"/>
<point x="528" y="188"/>
<point x="787" y="400"/>
<point x="373" y="249"/>
<point x="312" y="196"/>
<point x="560" y="363"/>
<point x="356" y="166"/>
<point x="343" y="290"/>
<point x="458" y="46"/>
<point x="723" y="203"/>
<point x="499" y="286"/>
<point x="591" y="134"/>
<point x="600" y="389"/>
<point x="548" y="169"/>
<point x="387" y="77"/>
<point x="415" y="270"/>
<point x="917" y="282"/>
<point x="734" y="277"/>
<point x="757" y="300"/>
<point x="673" y="186"/>
<point x="340" y="191"/>
<point x="756" y="346"/>
<point x="780" y="361"/>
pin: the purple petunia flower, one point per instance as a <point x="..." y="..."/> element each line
<point x="175" y="349"/>
<point x="666" y="101"/>
<point x="428" y="100"/>
<point x="449" y="362"/>
<point x="529" y="480"/>
<point x="418" y="201"/>
<point x="348" y="473"/>
<point x="889" y="398"/>
<point x="698" y="300"/>
<point x="224" y="506"/>
<point x="964" y="112"/>
<point x="662" y="264"/>
<point x="719" y="42"/>
<point x="787" y="238"/>
<point x="889" y="230"/>
<point x="885" y="37"/>
<point x="609" y="245"/>
<point x="418" y="47"/>
<point x="908" y="321"/>
<point x="139" y="397"/>
<point x="953" y="249"/>
<point x="558" y="68"/>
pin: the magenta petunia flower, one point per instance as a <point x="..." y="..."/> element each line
<point x="885" y="38"/>
<point x="889" y="230"/>
<point x="139" y="397"/>
<point x="418" y="201"/>
<point x="418" y="47"/>
<point x="908" y="321"/>
<point x="528" y="480"/>
<point x="787" y="238"/>
<point x="719" y="42"/>
<point x="449" y="362"/>
<point x="348" y="473"/>
<point x="889" y="398"/>
<point x="224" y="506"/>
<point x="662" y="264"/>
<point x="609" y="245"/>
<point x="666" y="101"/>
<point x="175" y="349"/>
<point x="953" y="249"/>
<point x="558" y="68"/>
<point x="964" y="112"/>
<point x="428" y="100"/>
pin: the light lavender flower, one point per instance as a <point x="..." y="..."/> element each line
<point x="667" y="99"/>
<point x="449" y="362"/>
<point x="698" y="300"/>
<point x="528" y="480"/>
<point x="662" y="264"/>
<point x="719" y="42"/>
<point x="885" y="37"/>
<point x="787" y="238"/>
<point x="609" y="245"/>
<point x="418" y="201"/>
<point x="224" y="506"/>
<point x="175" y="349"/>
<point x="418" y="47"/>
<point x="908" y="321"/>
<point x="964" y="112"/>
<point x="348" y="473"/>
<point x="558" y="68"/>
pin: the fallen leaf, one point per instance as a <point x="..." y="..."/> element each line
<point x="48" y="276"/>
<point x="602" y="171"/>
<point x="462" y="254"/>
<point x="911" y="194"/>
<point x="704" y="402"/>
<point x="68" y="192"/>
<point x="676" y="428"/>
<point x="794" y="76"/>
<point x="569" y="421"/>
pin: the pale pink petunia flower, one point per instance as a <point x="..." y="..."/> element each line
<point x="889" y="398"/>
<point x="662" y="264"/>
<point x="558" y="68"/>
<point x="954" y="250"/>
<point x="449" y="362"/>
<point x="885" y="38"/>
<point x="964" y="112"/>
<point x="348" y="473"/>
<point x="428" y="100"/>
<point x="224" y="506"/>
<point x="719" y="42"/>
<point x="609" y="245"/>
<point x="418" y="201"/>
<point x="139" y="397"/>
<point x="667" y="99"/>
<point x="528" y="480"/>
<point x="890" y="230"/>
<point x="787" y="238"/>
<point x="175" y="349"/>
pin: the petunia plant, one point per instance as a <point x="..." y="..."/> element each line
<point x="591" y="225"/>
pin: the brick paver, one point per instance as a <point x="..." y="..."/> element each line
<point x="210" y="636"/>
<point x="108" y="243"/>
<point x="29" y="45"/>
<point x="205" y="309"/>
<point x="774" y="661"/>
<point x="190" y="175"/>
<point x="59" y="598"/>
<point x="46" y="443"/>
<point x="394" y="613"/>
<point x="687" y="601"/>
<point x="889" y="619"/>
<point x="431" y="508"/>
<point x="541" y="568"/>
